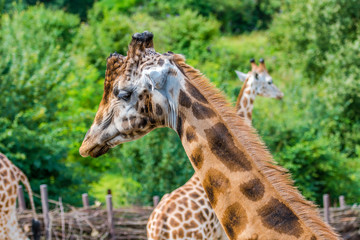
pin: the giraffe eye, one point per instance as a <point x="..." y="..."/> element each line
<point x="124" y="95"/>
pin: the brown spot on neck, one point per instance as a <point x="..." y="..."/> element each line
<point x="184" y="99"/>
<point x="277" y="216"/>
<point x="193" y="91"/>
<point x="223" y="147"/>
<point x="234" y="220"/>
<point x="191" y="134"/>
<point x="202" y="112"/>
<point x="179" y="125"/>
<point x="197" y="157"/>
<point x="215" y="183"/>
<point x="253" y="189"/>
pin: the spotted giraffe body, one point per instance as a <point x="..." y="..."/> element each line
<point x="189" y="204"/>
<point x="10" y="176"/>
<point x="185" y="213"/>
<point x="252" y="197"/>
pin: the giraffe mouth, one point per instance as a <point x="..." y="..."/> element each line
<point x="97" y="151"/>
<point x="94" y="150"/>
<point x="100" y="149"/>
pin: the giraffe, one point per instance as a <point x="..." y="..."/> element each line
<point x="189" y="203"/>
<point x="252" y="197"/>
<point x="261" y="84"/>
<point x="10" y="176"/>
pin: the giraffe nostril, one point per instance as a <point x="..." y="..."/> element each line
<point x="142" y="123"/>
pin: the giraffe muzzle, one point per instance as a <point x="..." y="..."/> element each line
<point x="94" y="151"/>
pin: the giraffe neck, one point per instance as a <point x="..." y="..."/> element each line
<point x="245" y="101"/>
<point x="243" y="184"/>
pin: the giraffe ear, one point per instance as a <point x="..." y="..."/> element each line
<point x="242" y="76"/>
<point x="157" y="79"/>
<point x="159" y="76"/>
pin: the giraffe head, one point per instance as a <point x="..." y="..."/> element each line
<point x="261" y="79"/>
<point x="139" y="96"/>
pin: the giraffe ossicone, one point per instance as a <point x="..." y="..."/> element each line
<point x="189" y="202"/>
<point x="226" y="153"/>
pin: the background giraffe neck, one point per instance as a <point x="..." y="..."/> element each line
<point x="245" y="101"/>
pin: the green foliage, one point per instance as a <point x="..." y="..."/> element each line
<point x="324" y="47"/>
<point x="189" y="33"/>
<point x="296" y="134"/>
<point x="52" y="72"/>
<point x="124" y="190"/>
<point x="318" y="167"/>
<point x="327" y="38"/>
<point x="33" y="84"/>
<point x="106" y="32"/>
<point x="157" y="161"/>
<point x="322" y="28"/>
<point x="79" y="7"/>
<point x="235" y="16"/>
<point x="123" y="6"/>
<point x="109" y="31"/>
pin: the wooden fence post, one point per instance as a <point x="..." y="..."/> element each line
<point x="85" y="200"/>
<point x="63" y="235"/>
<point x="21" y="199"/>
<point x="326" y="202"/>
<point x="45" y="208"/>
<point x="110" y="214"/>
<point x="342" y="202"/>
<point x="156" y="200"/>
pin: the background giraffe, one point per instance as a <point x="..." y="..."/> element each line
<point x="261" y="84"/>
<point x="187" y="210"/>
<point x="252" y="197"/>
<point x="10" y="176"/>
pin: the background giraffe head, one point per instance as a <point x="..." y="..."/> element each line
<point x="139" y="96"/>
<point x="261" y="80"/>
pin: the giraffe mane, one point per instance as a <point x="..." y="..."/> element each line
<point x="247" y="136"/>
<point x="237" y="106"/>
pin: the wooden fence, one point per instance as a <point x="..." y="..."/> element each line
<point x="96" y="222"/>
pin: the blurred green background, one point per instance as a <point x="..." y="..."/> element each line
<point x="52" y="65"/>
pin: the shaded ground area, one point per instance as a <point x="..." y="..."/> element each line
<point x="130" y="223"/>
